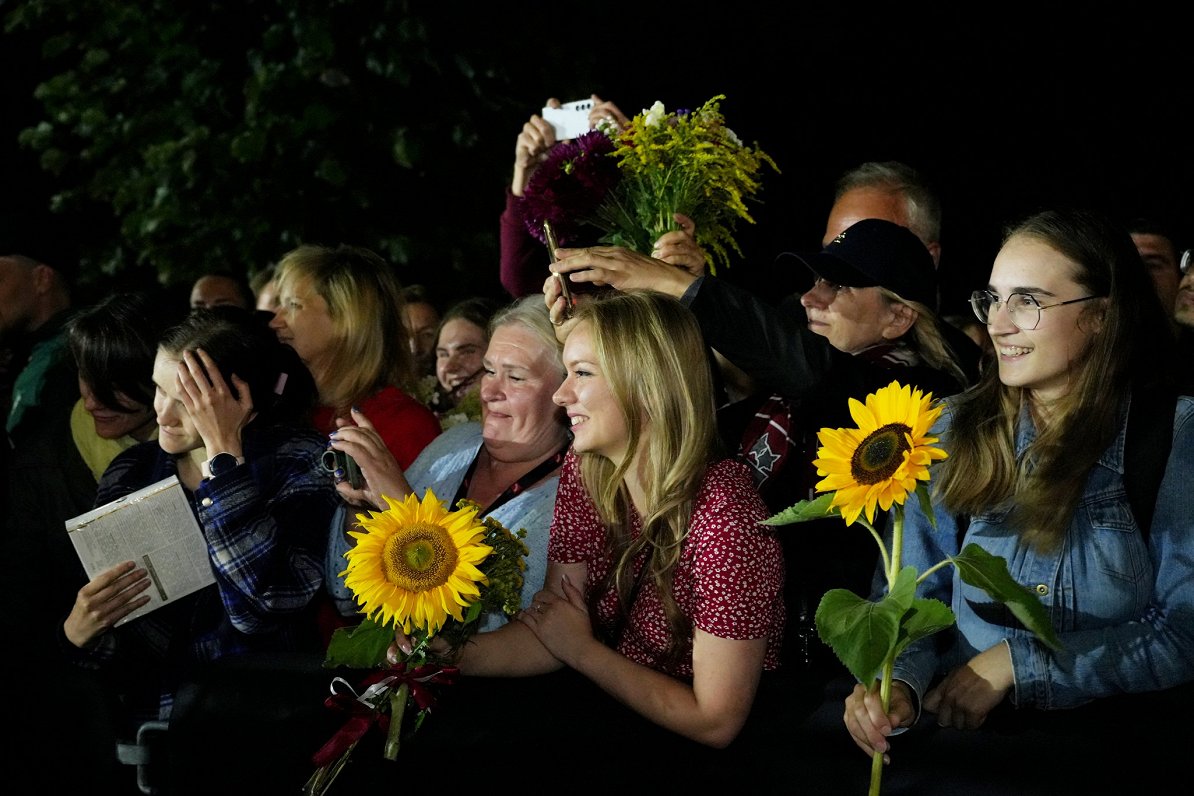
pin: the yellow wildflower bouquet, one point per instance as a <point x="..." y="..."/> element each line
<point x="878" y="465"/>
<point x="681" y="162"/>
<point x="418" y="567"/>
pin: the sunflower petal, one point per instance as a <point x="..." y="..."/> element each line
<point x="415" y="564"/>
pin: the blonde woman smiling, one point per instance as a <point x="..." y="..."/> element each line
<point x="662" y="606"/>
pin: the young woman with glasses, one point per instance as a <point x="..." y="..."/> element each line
<point x="1035" y="475"/>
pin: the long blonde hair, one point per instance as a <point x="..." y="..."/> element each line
<point x="364" y="299"/>
<point x="1129" y="348"/>
<point x="654" y="358"/>
<point x="926" y="339"/>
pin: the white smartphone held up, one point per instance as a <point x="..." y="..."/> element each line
<point x="570" y="119"/>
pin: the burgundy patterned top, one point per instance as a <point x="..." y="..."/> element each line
<point x="729" y="579"/>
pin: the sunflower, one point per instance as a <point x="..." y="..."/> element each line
<point x="416" y="563"/>
<point x="881" y="461"/>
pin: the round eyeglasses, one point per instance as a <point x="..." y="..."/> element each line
<point x="1023" y="308"/>
<point x="1187" y="258"/>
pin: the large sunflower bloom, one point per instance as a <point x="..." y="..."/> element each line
<point x="880" y="462"/>
<point x="415" y="563"/>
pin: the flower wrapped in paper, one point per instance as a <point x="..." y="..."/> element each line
<point x="418" y="567"/>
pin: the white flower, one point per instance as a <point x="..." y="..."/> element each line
<point x="733" y="137"/>
<point x="654" y="115"/>
<point x="447" y="421"/>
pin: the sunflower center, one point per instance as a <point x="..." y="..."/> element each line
<point x="879" y="455"/>
<point x="419" y="557"/>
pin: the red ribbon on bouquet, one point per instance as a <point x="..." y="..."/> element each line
<point x="363" y="714"/>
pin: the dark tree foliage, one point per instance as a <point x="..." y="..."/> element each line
<point x="195" y="136"/>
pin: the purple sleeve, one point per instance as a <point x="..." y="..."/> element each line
<point x="523" y="259"/>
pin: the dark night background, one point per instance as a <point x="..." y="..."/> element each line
<point x="1006" y="112"/>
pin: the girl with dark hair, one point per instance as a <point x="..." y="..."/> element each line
<point x="113" y="344"/>
<point x="460" y="343"/>
<point x="233" y="407"/>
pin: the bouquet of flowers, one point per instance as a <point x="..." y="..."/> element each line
<point x="431" y="572"/>
<point x="569" y="185"/>
<point x="878" y="465"/>
<point x="664" y="163"/>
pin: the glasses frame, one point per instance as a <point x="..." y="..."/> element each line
<point x="1186" y="261"/>
<point x="832" y="287"/>
<point x="995" y="302"/>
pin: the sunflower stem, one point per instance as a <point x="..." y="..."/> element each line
<point x="885" y="699"/>
<point x="897" y="545"/>
<point x="397" y="711"/>
<point x="893" y="568"/>
<point x="921" y="578"/>
<point x="879" y="541"/>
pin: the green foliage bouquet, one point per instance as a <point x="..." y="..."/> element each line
<point x="878" y="465"/>
<point x="629" y="184"/>
<point x="682" y="162"/>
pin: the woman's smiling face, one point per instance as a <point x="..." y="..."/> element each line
<point x="130" y="419"/>
<point x="597" y="422"/>
<point x="1042" y="359"/>
<point x="521" y="376"/>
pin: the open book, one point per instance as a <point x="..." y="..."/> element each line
<point x="153" y="527"/>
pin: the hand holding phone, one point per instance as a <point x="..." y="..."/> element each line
<point x="565" y="290"/>
<point x="570" y="119"/>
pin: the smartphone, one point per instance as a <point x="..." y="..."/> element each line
<point x="565" y="288"/>
<point x="339" y="460"/>
<point x="570" y="120"/>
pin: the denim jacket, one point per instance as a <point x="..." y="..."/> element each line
<point x="1123" y="609"/>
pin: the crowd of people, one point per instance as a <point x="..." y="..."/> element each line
<point x="640" y="430"/>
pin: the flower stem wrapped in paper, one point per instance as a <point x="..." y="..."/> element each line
<point x="431" y="572"/>
<point x="878" y="465"/>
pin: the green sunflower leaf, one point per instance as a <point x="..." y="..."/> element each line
<point x="816" y="509"/>
<point x="926" y="503"/>
<point x="988" y="572"/>
<point x="862" y="633"/>
<point x="360" y="647"/>
<point x="924" y="618"/>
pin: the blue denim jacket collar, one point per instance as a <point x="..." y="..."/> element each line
<point x="1112" y="457"/>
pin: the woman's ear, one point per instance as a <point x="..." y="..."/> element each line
<point x="1091" y="319"/>
<point x="902" y="319"/>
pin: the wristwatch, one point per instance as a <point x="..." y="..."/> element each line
<point x="219" y="464"/>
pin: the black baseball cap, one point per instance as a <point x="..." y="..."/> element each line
<point x="874" y="252"/>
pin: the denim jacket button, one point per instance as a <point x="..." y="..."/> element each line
<point x="1042" y="589"/>
<point x="206" y="502"/>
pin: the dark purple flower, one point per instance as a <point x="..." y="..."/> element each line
<point x="568" y="186"/>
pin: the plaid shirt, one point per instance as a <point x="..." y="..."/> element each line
<point x="266" y="525"/>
